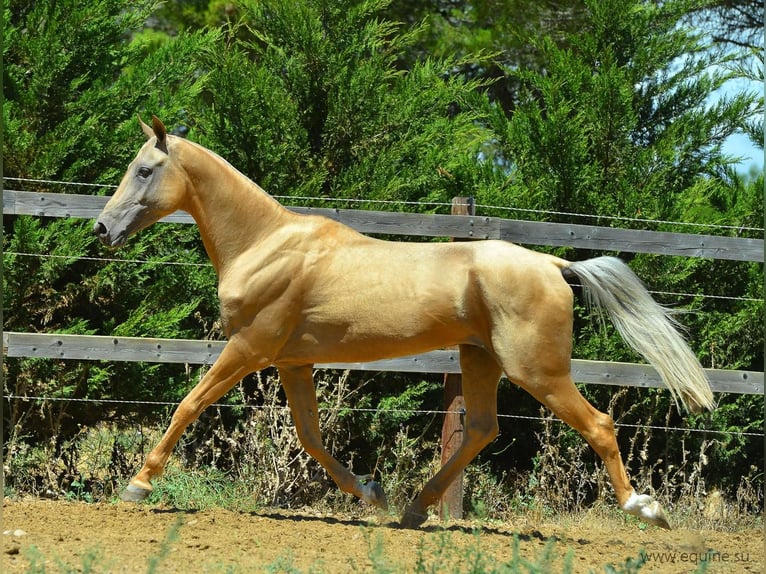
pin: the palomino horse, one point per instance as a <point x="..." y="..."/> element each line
<point x="296" y="290"/>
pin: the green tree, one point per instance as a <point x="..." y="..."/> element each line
<point x="307" y="100"/>
<point x="618" y="122"/>
<point x="498" y="30"/>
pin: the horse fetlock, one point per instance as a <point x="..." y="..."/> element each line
<point x="647" y="509"/>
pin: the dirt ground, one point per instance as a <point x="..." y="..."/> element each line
<point x="56" y="536"/>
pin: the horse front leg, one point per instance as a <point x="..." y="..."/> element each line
<point x="298" y="383"/>
<point x="481" y="374"/>
<point x="227" y="371"/>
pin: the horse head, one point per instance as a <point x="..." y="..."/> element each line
<point x="153" y="187"/>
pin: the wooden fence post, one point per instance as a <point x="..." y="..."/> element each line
<point x="451" y="503"/>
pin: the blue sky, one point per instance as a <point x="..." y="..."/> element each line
<point x="740" y="144"/>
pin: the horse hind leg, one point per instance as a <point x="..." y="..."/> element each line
<point x="536" y="355"/>
<point x="561" y="396"/>
<point x="481" y="374"/>
<point x="298" y="383"/>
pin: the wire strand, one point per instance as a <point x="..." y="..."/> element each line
<point x="53" y="182"/>
<point x="623" y="218"/>
<point x="106" y="259"/>
<point x="371" y="410"/>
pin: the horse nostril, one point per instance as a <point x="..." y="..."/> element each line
<point x="99" y="229"/>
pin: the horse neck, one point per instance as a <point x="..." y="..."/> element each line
<point x="232" y="212"/>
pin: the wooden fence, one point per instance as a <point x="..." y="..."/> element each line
<point x="393" y="223"/>
<point x="106" y="348"/>
<point x="134" y="349"/>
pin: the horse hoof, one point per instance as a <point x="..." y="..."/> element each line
<point x="134" y="493"/>
<point x="659" y="518"/>
<point x="647" y="509"/>
<point x="412" y="519"/>
<point x="372" y="493"/>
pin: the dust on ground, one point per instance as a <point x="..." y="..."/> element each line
<point x="57" y="536"/>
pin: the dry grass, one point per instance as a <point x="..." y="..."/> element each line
<point x="260" y="463"/>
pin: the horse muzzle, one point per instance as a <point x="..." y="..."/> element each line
<point x="107" y="236"/>
<point x="119" y="221"/>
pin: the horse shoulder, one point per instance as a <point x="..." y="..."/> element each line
<point x="258" y="285"/>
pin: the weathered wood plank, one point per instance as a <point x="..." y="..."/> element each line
<point x="609" y="373"/>
<point x="66" y="205"/>
<point x="632" y="240"/>
<point x="458" y="226"/>
<point x="104" y="348"/>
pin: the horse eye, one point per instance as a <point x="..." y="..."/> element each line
<point x="144" y="172"/>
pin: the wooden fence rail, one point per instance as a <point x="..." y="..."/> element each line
<point x="457" y="226"/>
<point x="105" y="348"/>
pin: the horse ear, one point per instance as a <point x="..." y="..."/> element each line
<point x="146" y="129"/>
<point x="161" y="133"/>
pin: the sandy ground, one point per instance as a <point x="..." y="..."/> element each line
<point x="57" y="536"/>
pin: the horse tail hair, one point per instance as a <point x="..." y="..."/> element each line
<point x="648" y="327"/>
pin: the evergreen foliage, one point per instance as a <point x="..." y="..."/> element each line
<point x="617" y="123"/>
<point x="307" y="100"/>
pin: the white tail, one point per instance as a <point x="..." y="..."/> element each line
<point x="646" y="326"/>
